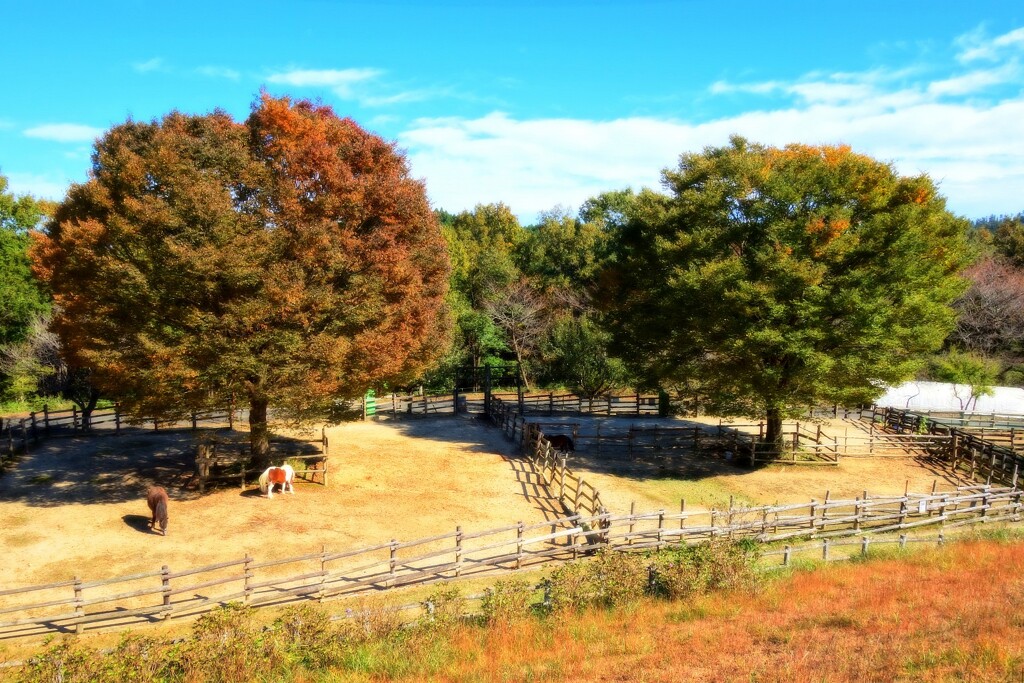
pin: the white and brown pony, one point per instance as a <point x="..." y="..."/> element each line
<point x="272" y="476"/>
<point x="156" y="499"/>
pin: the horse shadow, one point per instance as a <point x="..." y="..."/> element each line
<point x="139" y="523"/>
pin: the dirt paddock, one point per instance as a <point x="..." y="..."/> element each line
<point x="76" y="507"/>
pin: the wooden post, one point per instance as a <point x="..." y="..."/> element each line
<point x="46" y="418"/>
<point x="824" y="549"/>
<point x="785" y="556"/>
<point x="561" y="480"/>
<point x="682" y="511"/>
<point x="323" y="574"/>
<point x="35" y="430"/>
<point x="393" y="560"/>
<point x="117" y="418"/>
<point x="165" y="586"/>
<point x="864" y="545"/>
<point x="79" y="607"/>
<point x="632" y="519"/>
<point x="519" y="545"/>
<point x="195" y="421"/>
<point x="247" y="576"/>
<point x="74" y="418"/>
<point x="458" y="550"/>
<point x="661" y="528"/>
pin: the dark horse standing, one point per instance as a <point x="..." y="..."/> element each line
<point x="156" y="499"/>
<point x="562" y="443"/>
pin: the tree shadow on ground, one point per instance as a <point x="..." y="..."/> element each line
<point x="109" y="468"/>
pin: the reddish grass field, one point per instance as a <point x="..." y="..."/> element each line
<point x="950" y="614"/>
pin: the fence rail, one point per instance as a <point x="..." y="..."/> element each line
<point x="76" y="605"/>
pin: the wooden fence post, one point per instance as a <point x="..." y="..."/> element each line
<point x="46" y="418"/>
<point x="165" y="586"/>
<point x="247" y="576"/>
<point x="79" y="607"/>
<point x="117" y="418"/>
<point x="458" y="549"/>
<point x="393" y="562"/>
<point x="519" y="545"/>
<point x="323" y="574"/>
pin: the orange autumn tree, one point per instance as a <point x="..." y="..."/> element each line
<point x="289" y="262"/>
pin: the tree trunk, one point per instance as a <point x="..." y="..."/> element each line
<point x="259" y="433"/>
<point x="773" y="433"/>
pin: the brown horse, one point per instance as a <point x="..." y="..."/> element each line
<point x="561" y="443"/>
<point x="156" y="499"/>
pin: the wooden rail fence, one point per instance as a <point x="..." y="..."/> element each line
<point x="77" y="604"/>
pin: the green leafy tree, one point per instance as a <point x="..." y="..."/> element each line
<point x="564" y="253"/>
<point x="1008" y="239"/>
<point x="483" y="244"/>
<point x="290" y="261"/>
<point x="770" y="279"/>
<point x="973" y="376"/>
<point x="579" y="357"/>
<point x="21" y="296"/>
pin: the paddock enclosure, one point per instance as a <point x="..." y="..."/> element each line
<point x="448" y="488"/>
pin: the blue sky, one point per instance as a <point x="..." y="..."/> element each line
<point x="539" y="104"/>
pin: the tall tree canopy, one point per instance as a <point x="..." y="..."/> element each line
<point x="770" y="279"/>
<point x="21" y="297"/>
<point x="289" y="261"/>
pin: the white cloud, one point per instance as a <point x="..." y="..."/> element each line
<point x="218" y="72"/>
<point x="973" y="148"/>
<point x="155" y="64"/>
<point x="341" y="81"/>
<point x="977" y="46"/>
<point x="64" y="132"/>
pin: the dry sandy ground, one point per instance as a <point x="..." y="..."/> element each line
<point x="76" y="507"/>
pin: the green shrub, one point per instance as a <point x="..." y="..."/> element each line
<point x="715" y="565"/>
<point x="135" y="659"/>
<point x="571" y="588"/>
<point x="507" y="602"/>
<point x="622" y="578"/>
<point x="445" y="608"/>
<point x="63" y="661"/>
<point x="308" y="636"/>
<point x="228" y="645"/>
